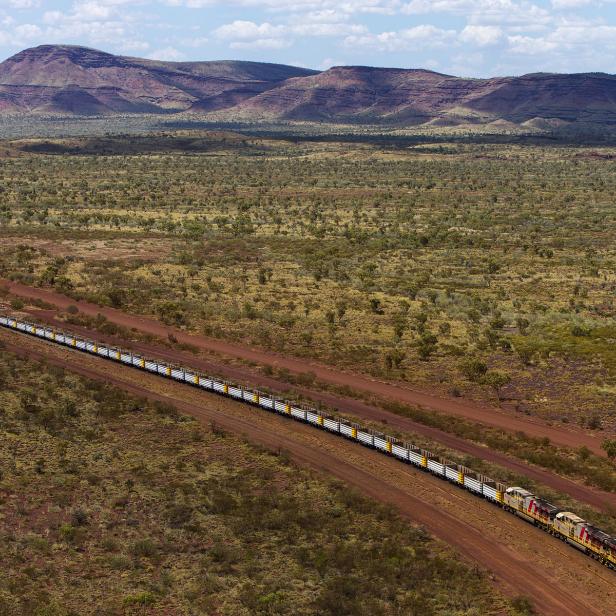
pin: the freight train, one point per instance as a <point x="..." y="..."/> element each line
<point x="564" y="525"/>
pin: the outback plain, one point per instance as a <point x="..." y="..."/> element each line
<point x="455" y="291"/>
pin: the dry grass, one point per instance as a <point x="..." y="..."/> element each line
<point x="112" y="505"/>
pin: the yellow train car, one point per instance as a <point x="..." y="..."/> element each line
<point x="530" y="507"/>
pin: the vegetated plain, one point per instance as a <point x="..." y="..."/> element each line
<point x="115" y="505"/>
<point x="479" y="269"/>
<point x="474" y="269"/>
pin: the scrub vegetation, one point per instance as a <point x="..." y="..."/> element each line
<point x="114" y="505"/>
<point x="480" y="269"/>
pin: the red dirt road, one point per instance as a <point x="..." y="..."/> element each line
<point x="559" y="580"/>
<point x="567" y="437"/>
<point x="603" y="501"/>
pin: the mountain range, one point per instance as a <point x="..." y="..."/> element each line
<point x="71" y="80"/>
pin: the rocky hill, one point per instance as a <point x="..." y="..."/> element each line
<point x="363" y="94"/>
<point x="81" y="81"/>
<point x="78" y="80"/>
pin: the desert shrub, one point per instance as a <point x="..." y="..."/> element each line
<point x="473" y="369"/>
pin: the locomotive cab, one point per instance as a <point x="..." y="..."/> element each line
<point x="571" y="528"/>
<point x="514" y="498"/>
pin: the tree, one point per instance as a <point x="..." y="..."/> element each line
<point x="394" y="358"/>
<point x="523" y="325"/>
<point x="427" y="345"/>
<point x="496" y="379"/>
<point x="525" y="354"/>
<point x="609" y="446"/>
<point x="584" y="453"/>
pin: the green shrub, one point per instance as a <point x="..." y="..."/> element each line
<point x="142" y="598"/>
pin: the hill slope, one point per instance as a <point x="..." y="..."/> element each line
<point x="80" y="81"/>
<point x="67" y="79"/>
<point x="359" y="94"/>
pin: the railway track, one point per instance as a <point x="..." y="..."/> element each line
<point x="564" y="525"/>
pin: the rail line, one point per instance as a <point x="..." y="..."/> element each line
<point x="564" y="525"/>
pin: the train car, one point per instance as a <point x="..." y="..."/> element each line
<point x="399" y="451"/>
<point x="418" y="457"/>
<point x="514" y="499"/>
<point x="599" y="544"/>
<point x="492" y="491"/>
<point x="609" y="552"/>
<point x="298" y="413"/>
<point x="571" y="528"/>
<point x="435" y="466"/>
<point x="541" y="511"/>
<point x="472" y="482"/>
<point x="530" y="507"/>
<point x="331" y="424"/>
<point x="381" y="442"/>
<point x="365" y="437"/>
<point x="454" y="474"/>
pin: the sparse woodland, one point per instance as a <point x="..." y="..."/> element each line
<point x="479" y="269"/>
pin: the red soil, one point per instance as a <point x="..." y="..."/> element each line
<point x="564" y="436"/>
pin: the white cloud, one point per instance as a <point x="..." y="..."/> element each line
<point x="384" y="7"/>
<point x="481" y="35"/>
<point x="27" y="31"/>
<point x="91" y="11"/>
<point x="499" y="12"/>
<point x="134" y="46"/>
<point x="249" y="35"/>
<point x="21" y="4"/>
<point x="197" y="41"/>
<point x="328" y="63"/>
<point x="569" y="35"/>
<point x="246" y="30"/>
<point x="570" y="4"/>
<point x="530" y="45"/>
<point x="418" y="37"/>
<point x="465" y="64"/>
<point x="243" y="34"/>
<point x="324" y="29"/>
<point x="263" y="43"/>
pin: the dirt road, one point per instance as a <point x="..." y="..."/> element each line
<point x="568" y="437"/>
<point x="603" y="501"/>
<point x="525" y="561"/>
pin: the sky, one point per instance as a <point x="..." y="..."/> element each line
<point x="471" y="38"/>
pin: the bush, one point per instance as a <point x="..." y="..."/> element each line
<point x="609" y="446"/>
<point x="473" y="369"/>
<point x="179" y="515"/>
<point x="579" y="331"/>
<point x="142" y="598"/>
<point x="68" y="532"/>
<point x="166" y="410"/>
<point x="144" y="548"/>
<point x="79" y="518"/>
<point x="523" y="606"/>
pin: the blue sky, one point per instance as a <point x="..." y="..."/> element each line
<point x="474" y="38"/>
